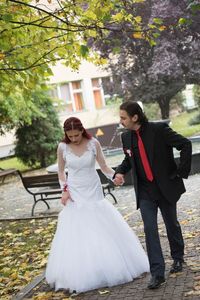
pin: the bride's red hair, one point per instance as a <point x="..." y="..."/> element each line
<point x="74" y="124"/>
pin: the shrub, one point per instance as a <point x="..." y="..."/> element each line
<point x="36" y="143"/>
<point x="152" y="111"/>
<point x="195" y="120"/>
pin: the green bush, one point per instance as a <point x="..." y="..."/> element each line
<point x="196" y="93"/>
<point x="152" y="111"/>
<point x="195" y="120"/>
<point x="36" y="143"/>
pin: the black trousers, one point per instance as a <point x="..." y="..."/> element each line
<point x="149" y="212"/>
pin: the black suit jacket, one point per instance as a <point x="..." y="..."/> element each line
<point x="159" y="140"/>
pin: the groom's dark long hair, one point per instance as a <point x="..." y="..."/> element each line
<point x="133" y="108"/>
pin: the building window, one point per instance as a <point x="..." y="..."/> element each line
<point x="53" y="92"/>
<point x="62" y="92"/>
<point x="97" y="92"/>
<point x="78" y="95"/>
<point x="65" y="93"/>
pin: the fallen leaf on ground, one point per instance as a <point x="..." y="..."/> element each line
<point x="104" y="292"/>
<point x="192" y="293"/>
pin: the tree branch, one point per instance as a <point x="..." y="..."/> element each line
<point x="31" y="45"/>
<point x="35" y="64"/>
<point x="39" y="9"/>
<point x="31" y="66"/>
<point x="66" y="22"/>
<point x="41" y="26"/>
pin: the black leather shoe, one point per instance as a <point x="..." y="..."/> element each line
<point x="176" y="267"/>
<point x="156" y="282"/>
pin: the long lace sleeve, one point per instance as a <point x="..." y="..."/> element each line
<point x="61" y="166"/>
<point x="107" y="171"/>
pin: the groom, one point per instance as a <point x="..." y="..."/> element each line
<point x="148" y="149"/>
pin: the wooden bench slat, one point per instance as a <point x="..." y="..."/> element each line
<point x="32" y="182"/>
<point x="41" y="185"/>
<point x="4" y="173"/>
<point x="41" y="178"/>
<point x="7" y="172"/>
<point x="50" y="192"/>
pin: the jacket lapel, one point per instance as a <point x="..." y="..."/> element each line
<point x="128" y="140"/>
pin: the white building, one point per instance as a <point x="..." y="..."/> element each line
<point x="81" y="90"/>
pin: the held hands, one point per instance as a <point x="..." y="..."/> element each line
<point x="119" y="179"/>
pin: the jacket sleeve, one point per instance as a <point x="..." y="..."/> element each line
<point x="183" y="145"/>
<point x="125" y="166"/>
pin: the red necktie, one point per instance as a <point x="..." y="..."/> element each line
<point x="144" y="158"/>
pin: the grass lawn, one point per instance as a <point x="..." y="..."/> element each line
<point x="13" y="163"/>
<point x="180" y="124"/>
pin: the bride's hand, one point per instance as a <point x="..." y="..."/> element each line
<point x="65" y="197"/>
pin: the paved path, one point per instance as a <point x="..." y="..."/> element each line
<point x="15" y="202"/>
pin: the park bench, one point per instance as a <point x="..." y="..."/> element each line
<point x="4" y="173"/>
<point x="46" y="187"/>
<point x="42" y="187"/>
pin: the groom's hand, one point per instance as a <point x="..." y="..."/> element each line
<point x="119" y="179"/>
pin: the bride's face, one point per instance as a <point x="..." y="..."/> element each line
<point x="75" y="136"/>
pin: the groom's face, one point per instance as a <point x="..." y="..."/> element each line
<point x="127" y="121"/>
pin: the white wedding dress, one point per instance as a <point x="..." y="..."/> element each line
<point x="93" y="246"/>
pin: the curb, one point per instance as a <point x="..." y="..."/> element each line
<point x="28" y="287"/>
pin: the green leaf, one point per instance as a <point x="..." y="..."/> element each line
<point x="182" y="21"/>
<point x="195" y="7"/>
<point x="158" y="21"/>
<point x="7" y="17"/>
<point x="156" y="35"/>
<point x="138" y="19"/>
<point x="84" y="50"/>
<point x="152" y="43"/>
<point x="116" y="50"/>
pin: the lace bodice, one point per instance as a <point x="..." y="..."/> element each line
<point x="80" y="161"/>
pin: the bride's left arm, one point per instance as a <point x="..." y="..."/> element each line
<point x="107" y="171"/>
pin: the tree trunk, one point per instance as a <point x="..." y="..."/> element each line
<point x="42" y="161"/>
<point x="164" y="107"/>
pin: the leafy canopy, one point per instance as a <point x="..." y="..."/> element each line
<point x="37" y="33"/>
<point x="34" y="33"/>
<point x="156" y="69"/>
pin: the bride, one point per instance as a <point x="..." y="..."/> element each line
<point x="93" y="246"/>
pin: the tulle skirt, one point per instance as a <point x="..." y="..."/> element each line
<point x="93" y="247"/>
